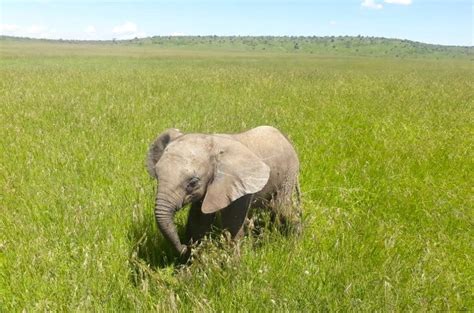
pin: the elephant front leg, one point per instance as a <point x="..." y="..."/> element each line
<point x="199" y="224"/>
<point x="233" y="216"/>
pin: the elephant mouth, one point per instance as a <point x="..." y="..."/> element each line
<point x="192" y="199"/>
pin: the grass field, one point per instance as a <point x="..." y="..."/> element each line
<point x="387" y="161"/>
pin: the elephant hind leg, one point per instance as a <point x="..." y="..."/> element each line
<point x="287" y="208"/>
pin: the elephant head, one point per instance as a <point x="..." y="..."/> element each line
<point x="214" y="169"/>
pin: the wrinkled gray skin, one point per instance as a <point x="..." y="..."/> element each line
<point x="222" y="173"/>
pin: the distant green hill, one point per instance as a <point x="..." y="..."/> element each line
<point x="330" y="45"/>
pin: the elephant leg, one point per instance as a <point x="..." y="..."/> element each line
<point x="199" y="224"/>
<point x="287" y="207"/>
<point x="233" y="216"/>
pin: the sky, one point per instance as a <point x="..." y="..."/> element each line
<point x="446" y="22"/>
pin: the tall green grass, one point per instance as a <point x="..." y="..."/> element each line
<point x="386" y="171"/>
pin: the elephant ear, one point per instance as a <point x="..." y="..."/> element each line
<point x="158" y="146"/>
<point x="237" y="172"/>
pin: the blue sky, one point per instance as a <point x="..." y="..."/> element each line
<point x="448" y="22"/>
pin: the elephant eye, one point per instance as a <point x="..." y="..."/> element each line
<point x="193" y="182"/>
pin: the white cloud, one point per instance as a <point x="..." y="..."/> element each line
<point x="128" y="30"/>
<point x="90" y="29"/>
<point x="32" y="31"/>
<point x="371" y="4"/>
<point x="402" y="2"/>
<point x="332" y="23"/>
<point x="178" y="34"/>
<point x="8" y="28"/>
<point x="36" y="29"/>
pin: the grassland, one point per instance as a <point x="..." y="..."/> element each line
<point x="386" y="151"/>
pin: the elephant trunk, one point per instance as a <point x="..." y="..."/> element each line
<point x="164" y="214"/>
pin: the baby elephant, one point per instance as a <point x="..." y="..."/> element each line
<point x="224" y="173"/>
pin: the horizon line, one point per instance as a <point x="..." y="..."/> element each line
<point x="221" y="36"/>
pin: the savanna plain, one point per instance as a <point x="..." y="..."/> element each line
<point x="385" y="146"/>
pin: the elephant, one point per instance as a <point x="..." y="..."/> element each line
<point x="225" y="174"/>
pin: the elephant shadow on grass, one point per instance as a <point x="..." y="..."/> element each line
<point x="148" y="249"/>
